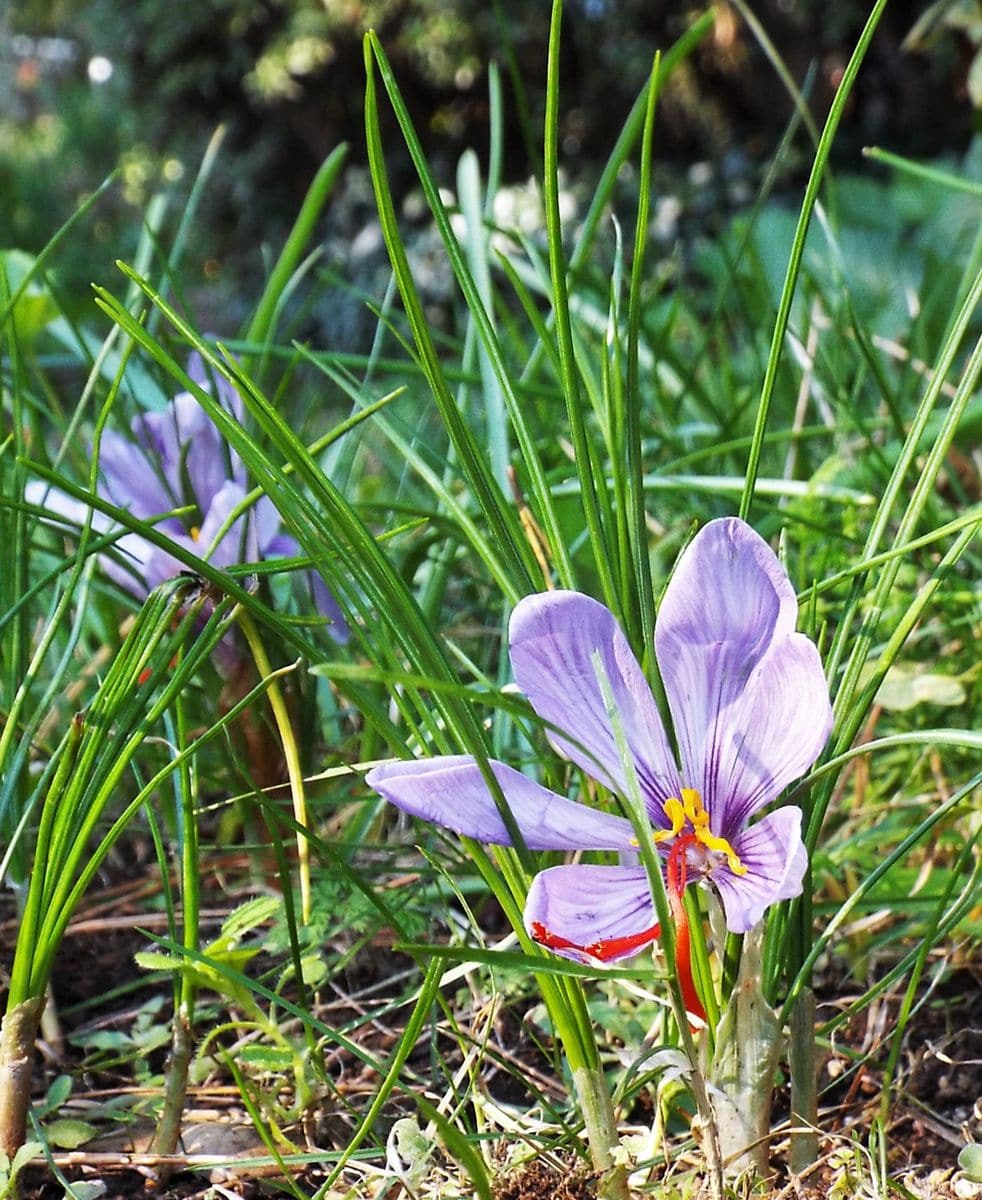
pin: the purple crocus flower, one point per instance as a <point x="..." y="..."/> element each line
<point x="750" y="711"/>
<point x="177" y="457"/>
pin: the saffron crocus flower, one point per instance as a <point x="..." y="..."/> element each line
<point x="750" y="711"/>
<point x="176" y="457"/>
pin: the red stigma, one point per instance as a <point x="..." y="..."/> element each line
<point x="608" y="948"/>
<point x="676" y="871"/>
<point x="552" y="941"/>
<point x="603" y="950"/>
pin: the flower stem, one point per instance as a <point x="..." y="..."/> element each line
<point x="748" y="1043"/>
<point x="593" y="1100"/>
<point x="175" y="1090"/>
<point x="17" y="1037"/>
<point x="670" y="911"/>
<point x="182" y="1032"/>
<point x="291" y="754"/>
<point x="804" y="1095"/>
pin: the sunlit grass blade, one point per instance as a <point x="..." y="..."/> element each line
<point x="476" y="245"/>
<point x="933" y="174"/>
<point x="501" y="516"/>
<point x="263" y="324"/>
<point x="641" y="607"/>
<point x="812" y="189"/>
<point x="569" y="379"/>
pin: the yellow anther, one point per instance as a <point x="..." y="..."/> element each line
<point x="689" y="809"/>
<point x="676" y="813"/>
<point x="195" y="533"/>
<point x="692" y="805"/>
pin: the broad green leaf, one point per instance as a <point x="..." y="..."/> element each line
<point x="153" y="960"/>
<point x="970" y="1161"/>
<point x="266" y="1058"/>
<point x="23" y="1156"/>
<point x="34" y="308"/>
<point x="249" y="916"/>
<point x="69" y="1133"/>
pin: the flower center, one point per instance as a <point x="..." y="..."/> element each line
<point x="699" y="838"/>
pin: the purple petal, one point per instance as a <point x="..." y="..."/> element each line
<point x="602" y="913"/>
<point x="280" y="546"/>
<point x="328" y="607"/>
<point x="159" y="565"/>
<point x="775" y="858"/>
<point x="129" y="574"/>
<point x="284" y="546"/>
<point x="134" y="482"/>
<point x="187" y="449"/>
<point x="727" y="601"/>
<point x="70" y="510"/>
<point x="229" y="657"/>
<point x="771" y="734"/>
<point x="553" y="637"/>
<point x="210" y="461"/>
<point x="226" y="395"/>
<point x="268" y="529"/>
<point x="162" y="435"/>
<point x="451" y="791"/>
<point x="238" y="544"/>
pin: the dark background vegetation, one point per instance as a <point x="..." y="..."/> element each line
<point x="286" y="79"/>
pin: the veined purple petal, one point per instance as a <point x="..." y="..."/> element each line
<point x="135" y="482"/>
<point x="727" y="601"/>
<point x="770" y="735"/>
<point x="553" y="636"/>
<point x="597" y="909"/>
<point x="451" y="791"/>
<point x="775" y="858"/>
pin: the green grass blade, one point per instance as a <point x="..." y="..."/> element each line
<point x="569" y="373"/>
<point x="812" y="189"/>
<point x="501" y="517"/>
<point x="262" y="326"/>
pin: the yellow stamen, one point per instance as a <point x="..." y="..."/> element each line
<point x="676" y="813"/>
<point x="195" y="533"/>
<point x="690" y="809"/>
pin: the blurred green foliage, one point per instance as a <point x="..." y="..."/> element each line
<point x="89" y="87"/>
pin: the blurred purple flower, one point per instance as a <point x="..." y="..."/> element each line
<point x="750" y="710"/>
<point x="177" y="457"/>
